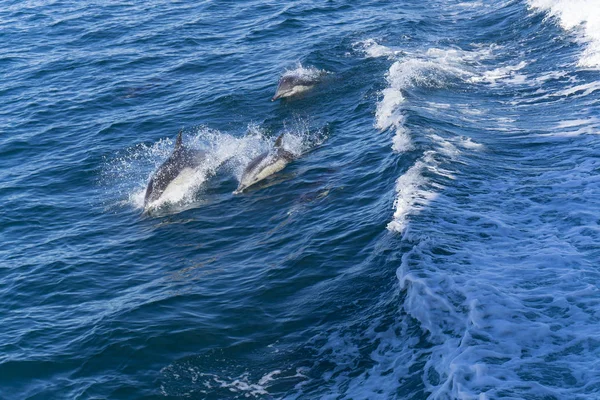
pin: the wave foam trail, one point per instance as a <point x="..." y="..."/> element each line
<point x="414" y="191"/>
<point x="506" y="74"/>
<point x="211" y="383"/>
<point x="434" y="69"/>
<point x="509" y="300"/>
<point x="572" y="14"/>
<point x="411" y="192"/>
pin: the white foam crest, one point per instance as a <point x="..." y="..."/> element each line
<point x="576" y="127"/>
<point x="418" y="72"/>
<point x="506" y="74"/>
<point x="401" y="141"/>
<point x="412" y="192"/>
<point x="445" y="147"/>
<point x="473" y="4"/>
<point x="401" y="75"/>
<point x="468" y="143"/>
<point x="372" y="49"/>
<point x="581" y="90"/>
<point x="456" y="60"/>
<point x="576" y="90"/>
<point x="242" y="384"/>
<point x="387" y="110"/>
<point x="434" y="69"/>
<point x="269" y="377"/>
<point x="577" y="122"/>
<point x="583" y="15"/>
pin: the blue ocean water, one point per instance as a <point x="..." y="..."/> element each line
<point x="437" y="238"/>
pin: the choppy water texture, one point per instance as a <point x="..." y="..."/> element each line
<point x="436" y="238"/>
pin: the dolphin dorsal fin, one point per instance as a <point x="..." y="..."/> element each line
<point x="179" y="140"/>
<point x="278" y="141"/>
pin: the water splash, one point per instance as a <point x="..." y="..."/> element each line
<point x="126" y="175"/>
<point x="580" y="16"/>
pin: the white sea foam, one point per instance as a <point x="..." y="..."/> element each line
<point x="507" y="301"/>
<point x="503" y="288"/>
<point x="204" y="383"/>
<point x="468" y="143"/>
<point x="503" y="316"/>
<point x="401" y="75"/>
<point x="412" y="193"/>
<point x="472" y="4"/>
<point x="436" y="68"/>
<point x="372" y="49"/>
<point x="575" y="91"/>
<point x="222" y="378"/>
<point x="401" y="141"/>
<point x="387" y="110"/>
<point x="575" y="127"/>
<point x="507" y="74"/>
<point x="577" y="122"/>
<point x="582" y="16"/>
<point x="582" y="90"/>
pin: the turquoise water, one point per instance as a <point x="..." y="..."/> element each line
<point x="436" y="238"/>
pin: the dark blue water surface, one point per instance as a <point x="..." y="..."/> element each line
<point x="437" y="237"/>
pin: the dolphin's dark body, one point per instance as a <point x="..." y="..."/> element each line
<point x="290" y="85"/>
<point x="265" y="165"/>
<point x="181" y="160"/>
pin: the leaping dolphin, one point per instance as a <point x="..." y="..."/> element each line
<point x="180" y="165"/>
<point x="266" y="164"/>
<point x="293" y="83"/>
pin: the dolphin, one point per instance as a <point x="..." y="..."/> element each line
<point x="266" y="164"/>
<point x="179" y="166"/>
<point x="293" y="84"/>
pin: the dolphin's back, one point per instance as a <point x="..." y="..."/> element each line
<point x="179" y="160"/>
<point x="266" y="164"/>
<point x="303" y="80"/>
<point x="148" y="191"/>
<point x="288" y="156"/>
<point x="254" y="163"/>
<point x="289" y="82"/>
